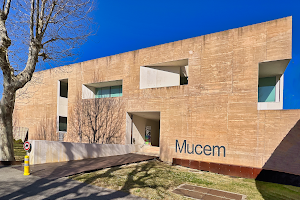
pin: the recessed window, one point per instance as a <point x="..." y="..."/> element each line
<point x="105" y="92"/>
<point x="62" y="124"/>
<point x="267" y="89"/>
<point x="102" y="89"/>
<point x="63" y="89"/>
<point x="184" y="75"/>
<point x="270" y="84"/>
<point x="167" y="74"/>
<point x="116" y="91"/>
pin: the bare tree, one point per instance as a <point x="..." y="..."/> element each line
<point x="45" y="30"/>
<point x="98" y="120"/>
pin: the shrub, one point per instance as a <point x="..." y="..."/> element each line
<point x="19" y="141"/>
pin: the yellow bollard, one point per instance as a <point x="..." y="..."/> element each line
<point x="26" y="166"/>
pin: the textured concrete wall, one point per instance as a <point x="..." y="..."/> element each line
<point x="50" y="151"/>
<point x="217" y="107"/>
<point x="138" y="129"/>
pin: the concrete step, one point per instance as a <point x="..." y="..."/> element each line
<point x="150" y="150"/>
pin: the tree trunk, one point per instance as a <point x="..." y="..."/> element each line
<point x="6" y="132"/>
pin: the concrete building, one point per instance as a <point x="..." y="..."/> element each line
<point x="216" y="98"/>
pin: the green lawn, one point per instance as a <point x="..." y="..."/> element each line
<point x="19" y="152"/>
<point x="156" y="180"/>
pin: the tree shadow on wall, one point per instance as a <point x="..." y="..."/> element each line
<point x="98" y="120"/>
<point x="283" y="167"/>
<point x="46" y="130"/>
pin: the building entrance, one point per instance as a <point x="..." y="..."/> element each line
<point x="143" y="128"/>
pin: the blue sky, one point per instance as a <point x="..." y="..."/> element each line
<point x="135" y="24"/>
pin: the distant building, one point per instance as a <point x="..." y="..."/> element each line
<point x="216" y="98"/>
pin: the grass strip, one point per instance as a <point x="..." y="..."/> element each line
<point x="19" y="152"/>
<point x="156" y="180"/>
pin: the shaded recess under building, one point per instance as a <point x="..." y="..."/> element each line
<point x="144" y="129"/>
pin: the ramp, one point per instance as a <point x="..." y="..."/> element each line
<point x="62" y="169"/>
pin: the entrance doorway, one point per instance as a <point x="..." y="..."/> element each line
<point x="143" y="128"/>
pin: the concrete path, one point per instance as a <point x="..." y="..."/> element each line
<point x="14" y="185"/>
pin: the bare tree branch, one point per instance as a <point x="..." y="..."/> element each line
<point x="40" y="30"/>
<point x="42" y="12"/>
<point x="6" y="9"/>
<point x="37" y="18"/>
<point x="48" y="18"/>
<point x="32" y="21"/>
<point x="3" y="6"/>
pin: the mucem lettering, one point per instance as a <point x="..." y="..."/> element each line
<point x="198" y="149"/>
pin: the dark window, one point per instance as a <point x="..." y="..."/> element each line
<point x="183" y="80"/>
<point x="64" y="89"/>
<point x="62" y="123"/>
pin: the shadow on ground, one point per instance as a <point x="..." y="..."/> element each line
<point x="137" y="178"/>
<point x="62" y="188"/>
<point x="52" y="186"/>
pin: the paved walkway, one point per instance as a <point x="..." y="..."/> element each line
<point x="63" y="169"/>
<point x="14" y="185"/>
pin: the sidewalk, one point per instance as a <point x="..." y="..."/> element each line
<point x="14" y="185"/>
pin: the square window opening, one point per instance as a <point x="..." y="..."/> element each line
<point x="167" y="74"/>
<point x="270" y="84"/>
